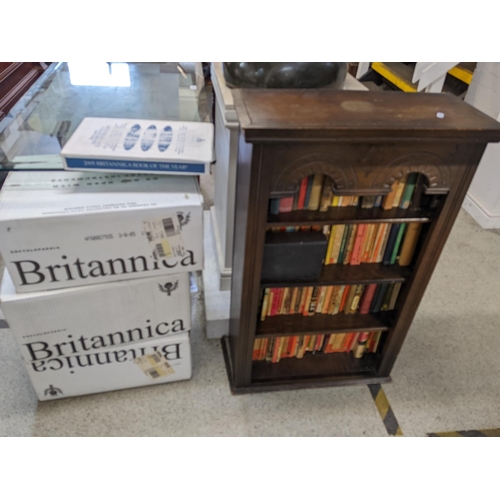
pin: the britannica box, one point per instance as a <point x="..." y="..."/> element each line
<point x="66" y="229"/>
<point x="128" y="145"/>
<point x="152" y="362"/>
<point x="59" y="323"/>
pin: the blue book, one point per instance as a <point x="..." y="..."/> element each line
<point x="390" y="244"/>
<point x="274" y="206"/>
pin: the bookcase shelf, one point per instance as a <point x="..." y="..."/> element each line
<point x="315" y="365"/>
<point x="348" y="215"/>
<point x="297" y="324"/>
<point x="363" y="144"/>
<point x="338" y="274"/>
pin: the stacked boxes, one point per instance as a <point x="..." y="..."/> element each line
<point x="96" y="287"/>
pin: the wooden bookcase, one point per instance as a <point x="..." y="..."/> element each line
<point x="363" y="141"/>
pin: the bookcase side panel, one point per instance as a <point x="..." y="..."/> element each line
<point x="249" y="233"/>
<point x="463" y="162"/>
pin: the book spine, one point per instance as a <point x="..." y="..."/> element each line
<point x="263" y="310"/>
<point x="285" y="205"/>
<point x="329" y="248"/>
<point x="418" y="193"/>
<point x="364" y="307"/>
<point x="399" y="193"/>
<point x="387" y="297"/>
<point x="410" y="243"/>
<point x="321" y="299"/>
<point x="274" y="206"/>
<point x="315" y="197"/>
<point x="387" y="203"/>
<point x="314" y="300"/>
<point x="345" y="295"/>
<point x="368" y="244"/>
<point x="356" y="258"/>
<point x="336" y="244"/>
<point x="343" y="244"/>
<point x="308" y="191"/>
<point x="302" y="193"/>
<point x="328" y="299"/>
<point x="394" y="296"/>
<point x="408" y="191"/>
<point x="360" y="345"/>
<point x="380" y="297"/>
<point x="307" y="301"/>
<point x="339" y="293"/>
<point x="397" y="244"/>
<point x="350" y="244"/>
<point x="390" y="244"/>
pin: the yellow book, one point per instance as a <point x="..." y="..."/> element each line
<point x="335" y="201"/>
<point x="264" y="305"/>
<point x="321" y="299"/>
<point x="315" y="197"/>
<point x="410" y="243"/>
<point x="399" y="193"/>
<point x="329" y="247"/>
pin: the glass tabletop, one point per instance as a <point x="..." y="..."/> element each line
<point x="37" y="127"/>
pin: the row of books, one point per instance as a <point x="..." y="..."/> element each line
<point x="277" y="348"/>
<point x="316" y="193"/>
<point x="367" y="243"/>
<point x="311" y="300"/>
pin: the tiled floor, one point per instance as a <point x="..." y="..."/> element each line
<point x="446" y="378"/>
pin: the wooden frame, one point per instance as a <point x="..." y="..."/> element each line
<point x="363" y="141"/>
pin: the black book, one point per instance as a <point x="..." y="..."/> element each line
<point x="390" y="244"/>
<point x="377" y="304"/>
<point x="416" y="200"/>
<point x="375" y="298"/>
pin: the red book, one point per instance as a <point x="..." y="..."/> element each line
<point x="358" y="245"/>
<point x="286" y="204"/>
<point x="302" y="193"/>
<point x="276" y="349"/>
<point x="344" y="297"/>
<point x="364" y="307"/>
<point x="276" y="300"/>
<point x="319" y="342"/>
<point x="263" y="349"/>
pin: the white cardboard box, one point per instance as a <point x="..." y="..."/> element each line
<point x="112" y="369"/>
<point x="65" y="229"/>
<point x="128" y="145"/>
<point x="59" y="322"/>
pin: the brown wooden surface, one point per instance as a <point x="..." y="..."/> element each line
<point x="347" y="215"/>
<point x="338" y="274"/>
<point x="326" y="114"/>
<point x="295" y="324"/>
<point x="362" y="156"/>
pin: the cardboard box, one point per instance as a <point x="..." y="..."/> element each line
<point x="128" y="145"/>
<point x="60" y="322"/>
<point x="66" y="229"/>
<point x="121" y="367"/>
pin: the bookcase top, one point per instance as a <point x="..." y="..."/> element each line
<point x="322" y="114"/>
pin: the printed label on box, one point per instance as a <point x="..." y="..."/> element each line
<point x="154" y="365"/>
<point x="165" y="237"/>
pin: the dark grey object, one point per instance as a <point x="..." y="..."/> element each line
<point x="285" y="75"/>
<point x="294" y="256"/>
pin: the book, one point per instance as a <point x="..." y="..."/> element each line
<point x="308" y="192"/>
<point x="380" y="255"/>
<point x="285" y="204"/>
<point x="350" y="243"/>
<point x="336" y="299"/>
<point x="364" y="307"/>
<point x="335" y="201"/>
<point x="377" y="305"/>
<point x="352" y="307"/>
<point x="360" y="345"/>
<point x="350" y="299"/>
<point x="388" y="202"/>
<point x="343" y="244"/>
<point x="302" y="193"/>
<point x="397" y="244"/>
<point x="345" y="294"/>
<point x="328" y="299"/>
<point x="410" y="243"/>
<point x="304" y="291"/>
<point x="346" y="201"/>
<point x="394" y="296"/>
<point x="307" y="301"/>
<point x="379" y="238"/>
<point x="263" y="310"/>
<point x="356" y="251"/>
<point x="368" y="243"/>
<point x="326" y="194"/>
<point x="399" y="193"/>
<point x="376" y="339"/>
<point x="378" y="201"/>
<point x="285" y="301"/>
<point x="274" y="206"/>
<point x="390" y="244"/>
<point x="315" y="196"/>
<point x="339" y="234"/>
<point x="314" y="300"/>
<point x="329" y="247"/>
<point x="408" y="191"/>
<point x="367" y="201"/>
<point x="387" y="297"/>
<point x="355" y="201"/>
<point x="418" y="193"/>
<point x="321" y="299"/>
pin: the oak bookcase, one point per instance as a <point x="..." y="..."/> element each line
<point x="363" y="141"/>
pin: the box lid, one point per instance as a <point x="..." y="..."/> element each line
<point x="28" y="195"/>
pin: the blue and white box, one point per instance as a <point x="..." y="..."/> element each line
<point x="140" y="146"/>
